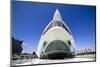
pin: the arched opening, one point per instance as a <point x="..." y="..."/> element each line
<point x="57" y="49"/>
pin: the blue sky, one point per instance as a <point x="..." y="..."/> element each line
<point x="29" y="20"/>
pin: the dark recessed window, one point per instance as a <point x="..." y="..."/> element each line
<point x="58" y="23"/>
<point x="69" y="43"/>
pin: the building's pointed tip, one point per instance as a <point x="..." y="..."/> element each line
<point x="57" y="15"/>
<point x="57" y="11"/>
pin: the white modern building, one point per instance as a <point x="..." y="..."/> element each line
<point x="56" y="41"/>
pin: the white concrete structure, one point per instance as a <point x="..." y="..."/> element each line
<point x="56" y="40"/>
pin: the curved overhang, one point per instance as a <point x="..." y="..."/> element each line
<point x="56" y="17"/>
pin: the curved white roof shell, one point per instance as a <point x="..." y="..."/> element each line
<point x="55" y="30"/>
